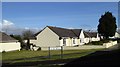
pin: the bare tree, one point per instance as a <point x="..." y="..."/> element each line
<point x="26" y="36"/>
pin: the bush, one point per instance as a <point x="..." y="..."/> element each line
<point x="105" y="41"/>
<point x="3" y="51"/>
<point x="39" y="49"/>
<point x="118" y="41"/>
<point x="97" y="42"/>
<point x="90" y="43"/>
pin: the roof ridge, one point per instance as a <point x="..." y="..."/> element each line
<point x="62" y="31"/>
<point x="58" y="27"/>
<point x="86" y="33"/>
<point x="65" y="32"/>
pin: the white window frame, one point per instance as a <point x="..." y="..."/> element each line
<point x="64" y="41"/>
<point x="73" y="40"/>
<point x="81" y="40"/>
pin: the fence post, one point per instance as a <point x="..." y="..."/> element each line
<point x="61" y="52"/>
<point x="49" y="52"/>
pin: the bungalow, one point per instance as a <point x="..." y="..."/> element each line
<point x="8" y="43"/>
<point x="55" y="36"/>
<point x="117" y="35"/>
<point x="91" y="36"/>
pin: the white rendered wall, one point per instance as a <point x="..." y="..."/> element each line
<point x="11" y="46"/>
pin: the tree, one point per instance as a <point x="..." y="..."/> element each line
<point x="19" y="38"/>
<point x="107" y="25"/>
<point x="26" y="36"/>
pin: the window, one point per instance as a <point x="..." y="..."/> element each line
<point x="73" y="40"/>
<point x="64" y="41"/>
<point x="82" y="40"/>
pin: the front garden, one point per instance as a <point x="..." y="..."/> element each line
<point x="24" y="56"/>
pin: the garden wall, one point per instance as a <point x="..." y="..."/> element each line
<point x="11" y="46"/>
<point x="109" y="44"/>
<point x="105" y="45"/>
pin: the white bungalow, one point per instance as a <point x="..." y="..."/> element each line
<point x="55" y="36"/>
<point x="117" y="35"/>
<point x="91" y="36"/>
<point x="7" y="43"/>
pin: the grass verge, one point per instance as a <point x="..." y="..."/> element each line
<point x="38" y="56"/>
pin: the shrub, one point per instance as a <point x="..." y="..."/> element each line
<point x="90" y="43"/>
<point x="118" y="41"/>
<point x="97" y="42"/>
<point x="39" y="49"/>
<point x="105" y="40"/>
<point x="3" y="51"/>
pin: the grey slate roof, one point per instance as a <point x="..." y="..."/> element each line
<point x="76" y="32"/>
<point x="62" y="32"/>
<point x="6" y="38"/>
<point x="90" y="34"/>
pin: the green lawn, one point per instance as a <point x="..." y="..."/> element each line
<point x="33" y="56"/>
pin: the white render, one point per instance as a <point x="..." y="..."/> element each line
<point x="33" y="41"/>
<point x="77" y="42"/>
<point x="117" y="35"/>
<point x="110" y="44"/>
<point x="9" y="46"/>
<point x="82" y="34"/>
<point x="47" y="38"/>
<point x="87" y="40"/>
<point x="90" y="39"/>
<point x="82" y="38"/>
<point x="95" y="38"/>
<point x="69" y="42"/>
<point x="61" y="42"/>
